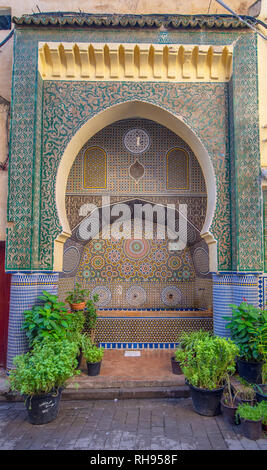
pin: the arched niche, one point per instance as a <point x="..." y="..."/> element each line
<point x="127" y="110"/>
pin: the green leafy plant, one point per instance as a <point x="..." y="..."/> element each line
<point x="187" y="340"/>
<point x="261" y="335"/>
<point x="45" y="369"/>
<point x="77" y="321"/>
<point x="264" y="373"/>
<point x="91" y="352"/>
<point x="50" y="319"/>
<point x="90" y="313"/>
<point x="263" y="406"/>
<point x="248" y="331"/>
<point x="208" y="362"/>
<point x="177" y="354"/>
<point x="252" y="413"/>
<point x="85" y="342"/>
<point x="75" y="332"/>
<point x="77" y="338"/>
<point x="262" y="389"/>
<point x="77" y="295"/>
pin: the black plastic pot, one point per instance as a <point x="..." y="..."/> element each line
<point x="43" y="408"/>
<point x="261" y="396"/>
<point x="229" y="413"/>
<point x="176" y="369"/>
<point x="93" y="368"/>
<point x="206" y="402"/>
<point x="250" y="371"/>
<point x="248" y="402"/>
<point x="251" y="429"/>
<point x="79" y="359"/>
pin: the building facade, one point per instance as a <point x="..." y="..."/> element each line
<point x="157" y="110"/>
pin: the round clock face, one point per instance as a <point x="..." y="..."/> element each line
<point x="136" y="141"/>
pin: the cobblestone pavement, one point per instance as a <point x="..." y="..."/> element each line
<point x="156" y="424"/>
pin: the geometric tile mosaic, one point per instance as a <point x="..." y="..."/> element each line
<point x="134" y="330"/>
<point x="156" y="158"/>
<point x="246" y="195"/>
<point x="94" y="168"/>
<point x="138" y="273"/>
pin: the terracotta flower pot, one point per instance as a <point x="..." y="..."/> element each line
<point x="80" y="306"/>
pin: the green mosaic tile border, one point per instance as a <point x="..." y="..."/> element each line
<point x="246" y="197"/>
<point x="202" y="107"/>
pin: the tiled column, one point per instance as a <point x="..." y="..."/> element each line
<point x="263" y="291"/>
<point x="222" y="297"/>
<point x="231" y="289"/>
<point x="24" y="293"/>
<point x="246" y="286"/>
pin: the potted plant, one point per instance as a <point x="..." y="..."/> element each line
<point x="93" y="356"/>
<point x="90" y="313"/>
<point x="261" y="392"/>
<point x="263" y="405"/>
<point x="77" y="339"/>
<point x="50" y="319"/>
<point x="77" y="297"/>
<point x="248" y="331"/>
<point x="261" y="389"/>
<point x="251" y="420"/>
<point x="205" y="367"/>
<point x="186" y="341"/>
<point x="40" y="376"/>
<point x="75" y="332"/>
<point x="229" y="403"/>
<point x="247" y="393"/>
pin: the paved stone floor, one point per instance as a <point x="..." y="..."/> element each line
<point x="156" y="424"/>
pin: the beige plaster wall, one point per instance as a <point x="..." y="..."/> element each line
<point x="20" y="7"/>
